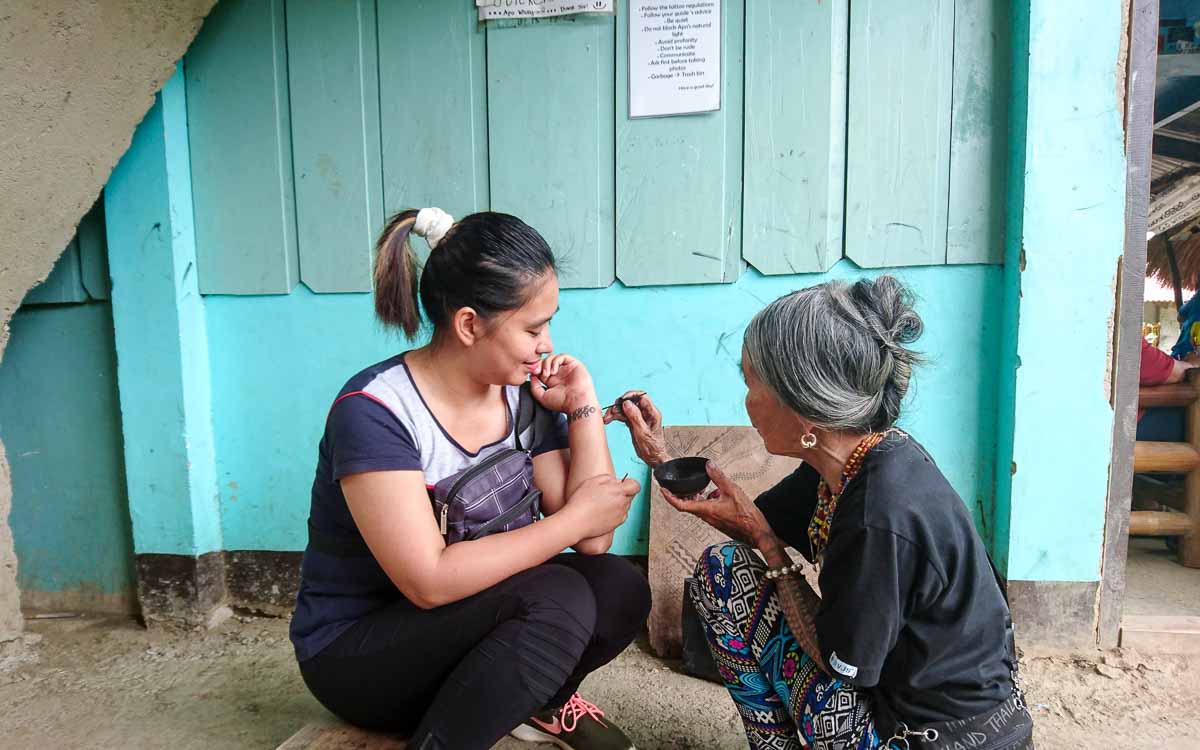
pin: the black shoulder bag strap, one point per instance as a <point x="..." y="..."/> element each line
<point x="527" y="409"/>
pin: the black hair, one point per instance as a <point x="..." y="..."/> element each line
<point x="486" y="261"/>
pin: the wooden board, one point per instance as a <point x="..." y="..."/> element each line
<point x="677" y="539"/>
<point x="679" y="179"/>
<point x="898" y="157"/>
<point x="550" y="137"/>
<point x="1161" y="634"/>
<point x="330" y="736"/>
<point x="795" y="126"/>
<point x="333" y="75"/>
<point x="433" y="104"/>
<point x="239" y="131"/>
<point x="978" y="132"/>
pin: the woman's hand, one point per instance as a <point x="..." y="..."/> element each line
<point x="637" y="412"/>
<point x="728" y="510"/>
<point x="600" y="504"/>
<point x="563" y="384"/>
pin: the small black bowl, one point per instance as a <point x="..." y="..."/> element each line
<point x="683" y="477"/>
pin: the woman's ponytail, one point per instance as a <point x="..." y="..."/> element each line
<point x="395" y="277"/>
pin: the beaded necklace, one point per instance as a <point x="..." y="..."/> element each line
<point x="822" y="518"/>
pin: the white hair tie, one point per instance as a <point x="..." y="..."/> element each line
<point x="432" y="224"/>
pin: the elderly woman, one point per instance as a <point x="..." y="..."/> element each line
<point x="909" y="643"/>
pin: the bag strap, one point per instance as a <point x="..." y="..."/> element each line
<point x="526" y="415"/>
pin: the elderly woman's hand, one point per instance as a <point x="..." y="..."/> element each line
<point x="637" y="412"/>
<point x="728" y="510"/>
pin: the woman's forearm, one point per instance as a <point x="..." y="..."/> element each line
<point x="466" y="568"/>
<point x="589" y="457"/>
<point x="797" y="600"/>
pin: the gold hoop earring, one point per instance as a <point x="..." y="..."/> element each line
<point x="808" y="440"/>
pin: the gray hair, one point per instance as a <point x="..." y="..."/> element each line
<point x="834" y="353"/>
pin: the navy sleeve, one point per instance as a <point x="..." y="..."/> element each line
<point x="550" y="431"/>
<point x="788" y="507"/>
<point x="867" y="576"/>
<point x="364" y="435"/>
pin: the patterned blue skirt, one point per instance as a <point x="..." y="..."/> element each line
<point x="784" y="699"/>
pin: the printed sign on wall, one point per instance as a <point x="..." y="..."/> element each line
<point x="674" y="57"/>
<point x="490" y="10"/>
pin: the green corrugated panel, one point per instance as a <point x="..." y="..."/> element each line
<point x="550" y="132"/>
<point x="433" y="104"/>
<point x="979" y="130"/>
<point x="897" y="178"/>
<point x="333" y="74"/>
<point x="241" y="148"/>
<point x="679" y="179"/>
<point x="795" y="134"/>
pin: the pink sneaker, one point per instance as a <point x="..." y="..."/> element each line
<point x="578" y="725"/>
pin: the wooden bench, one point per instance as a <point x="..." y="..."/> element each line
<point x="336" y="736"/>
<point x="1173" y="458"/>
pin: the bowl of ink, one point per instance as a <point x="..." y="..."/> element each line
<point x="683" y="477"/>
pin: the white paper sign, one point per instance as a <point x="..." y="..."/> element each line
<point x="496" y="9"/>
<point x="674" y="57"/>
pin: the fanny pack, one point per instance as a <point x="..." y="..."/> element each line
<point x="494" y="495"/>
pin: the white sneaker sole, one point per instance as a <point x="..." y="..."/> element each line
<point x="526" y="733"/>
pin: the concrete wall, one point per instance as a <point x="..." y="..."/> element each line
<point x="1065" y="238"/>
<point x="74" y="81"/>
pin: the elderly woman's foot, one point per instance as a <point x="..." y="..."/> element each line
<point x="578" y="725"/>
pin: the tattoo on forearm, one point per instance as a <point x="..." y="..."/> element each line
<point x="799" y="604"/>
<point x="581" y="413"/>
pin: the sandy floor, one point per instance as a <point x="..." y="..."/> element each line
<point x="1155" y="584"/>
<point x="108" y="683"/>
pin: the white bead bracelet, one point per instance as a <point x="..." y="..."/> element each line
<point x="786" y="570"/>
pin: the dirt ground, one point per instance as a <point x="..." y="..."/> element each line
<point x="89" y="682"/>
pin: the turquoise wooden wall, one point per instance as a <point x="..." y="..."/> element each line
<point x="311" y="120"/>
<point x="308" y="122"/>
<point x="61" y="428"/>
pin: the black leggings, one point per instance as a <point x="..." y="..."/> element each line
<point x="464" y="674"/>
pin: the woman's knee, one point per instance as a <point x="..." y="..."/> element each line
<point x="622" y="593"/>
<point x="560" y="597"/>
<point x="722" y="558"/>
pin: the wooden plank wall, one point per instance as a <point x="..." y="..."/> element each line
<point x="796" y="59"/>
<point x="239" y="131"/>
<point x="848" y="128"/>
<point x="333" y="77"/>
<point x="433" y="106"/>
<point x="551" y="137"/>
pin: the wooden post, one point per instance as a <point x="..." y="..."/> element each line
<point x="1189" y="545"/>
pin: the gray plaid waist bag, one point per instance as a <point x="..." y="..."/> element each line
<point x="494" y="495"/>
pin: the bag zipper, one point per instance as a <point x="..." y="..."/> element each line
<point x="478" y="469"/>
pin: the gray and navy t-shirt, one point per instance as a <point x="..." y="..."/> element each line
<point x="380" y="422"/>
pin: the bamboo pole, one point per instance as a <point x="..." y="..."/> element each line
<point x="1158" y="523"/>
<point x="1165" y="458"/>
<point x="1189" y="545"/>
<point x="1172" y="394"/>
